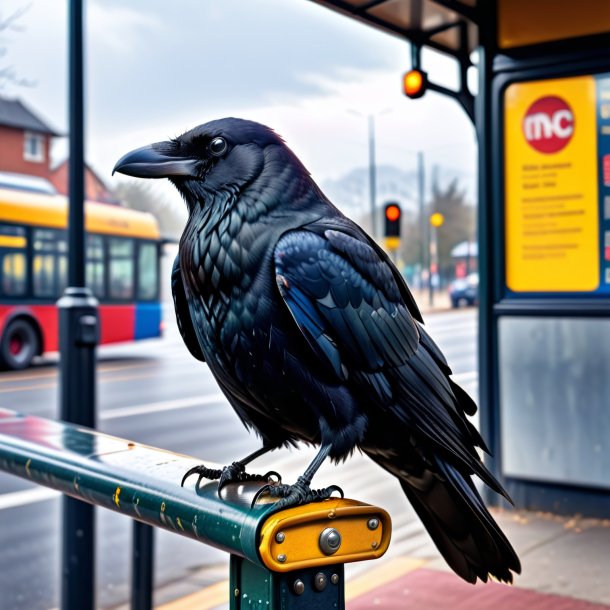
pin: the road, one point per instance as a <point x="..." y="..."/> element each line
<point x="155" y="393"/>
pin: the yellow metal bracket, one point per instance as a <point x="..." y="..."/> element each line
<point x="324" y="533"/>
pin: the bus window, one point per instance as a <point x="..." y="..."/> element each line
<point x="95" y="265"/>
<point x="13" y="266"/>
<point x="147" y="272"/>
<point x="50" y="263"/>
<point x="13" y="273"/>
<point x="121" y="268"/>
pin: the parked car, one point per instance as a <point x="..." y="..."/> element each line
<point x="465" y="291"/>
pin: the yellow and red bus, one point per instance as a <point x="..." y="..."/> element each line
<point x="122" y="270"/>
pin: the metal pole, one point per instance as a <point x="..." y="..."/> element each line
<point x="78" y="332"/>
<point x="372" y="177"/>
<point x="142" y="567"/>
<point x="422" y="212"/>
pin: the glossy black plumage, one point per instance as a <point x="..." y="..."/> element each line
<point x="313" y="335"/>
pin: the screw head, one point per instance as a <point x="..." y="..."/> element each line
<point x="334" y="579"/>
<point x="373" y="523"/>
<point x="330" y="541"/>
<point x="281" y="558"/>
<point x="320" y="581"/>
<point x="298" y="587"/>
<point x="280" y="537"/>
<point x="236" y="592"/>
<point x="374" y="544"/>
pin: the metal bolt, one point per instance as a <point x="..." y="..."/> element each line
<point x="332" y="514"/>
<point x="298" y="587"/>
<point x="330" y="541"/>
<point x="374" y="544"/>
<point x="320" y="581"/>
<point x="334" y="579"/>
<point x="281" y="558"/>
<point x="280" y="537"/>
<point x="236" y="592"/>
<point x="373" y="523"/>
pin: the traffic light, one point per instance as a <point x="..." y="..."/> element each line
<point x="392" y="220"/>
<point x="415" y="83"/>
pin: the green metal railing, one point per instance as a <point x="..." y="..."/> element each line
<point x="278" y="560"/>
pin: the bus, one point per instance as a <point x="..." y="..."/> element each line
<point x="122" y="269"/>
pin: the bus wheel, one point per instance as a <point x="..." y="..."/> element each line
<point x="19" y="345"/>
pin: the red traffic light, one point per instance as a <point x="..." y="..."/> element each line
<point x="392" y="212"/>
<point x="392" y="220"/>
<point x="414" y="83"/>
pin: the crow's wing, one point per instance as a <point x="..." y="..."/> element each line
<point x="346" y="302"/>
<point x="183" y="316"/>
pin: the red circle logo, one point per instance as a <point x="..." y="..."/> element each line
<point x="548" y="124"/>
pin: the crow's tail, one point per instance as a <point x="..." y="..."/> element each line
<point x="456" y="518"/>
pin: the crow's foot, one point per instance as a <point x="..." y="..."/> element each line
<point x="233" y="473"/>
<point x="297" y="494"/>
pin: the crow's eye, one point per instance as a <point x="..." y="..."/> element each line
<point x="218" y="146"/>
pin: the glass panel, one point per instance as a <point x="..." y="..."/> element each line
<point x="121" y="268"/>
<point x="13" y="274"/>
<point x="554" y="409"/>
<point x="12" y="230"/>
<point x="147" y="272"/>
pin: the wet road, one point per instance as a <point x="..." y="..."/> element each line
<point x="156" y="393"/>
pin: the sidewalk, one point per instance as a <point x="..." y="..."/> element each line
<point x="566" y="566"/>
<point x="440" y="300"/>
<point x="565" y="560"/>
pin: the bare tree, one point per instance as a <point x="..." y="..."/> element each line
<point x="8" y="72"/>
<point x="140" y="196"/>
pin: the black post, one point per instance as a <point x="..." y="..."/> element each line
<point x="78" y="335"/>
<point x="487" y="240"/>
<point x="142" y="567"/>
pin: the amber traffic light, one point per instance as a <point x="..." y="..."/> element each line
<point x="415" y="83"/>
<point x="392" y="220"/>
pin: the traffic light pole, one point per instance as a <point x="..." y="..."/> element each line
<point x="422" y="213"/>
<point x="372" y="177"/>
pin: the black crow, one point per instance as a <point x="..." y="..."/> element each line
<point x="313" y="335"/>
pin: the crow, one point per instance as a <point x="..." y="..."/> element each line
<point x="313" y="335"/>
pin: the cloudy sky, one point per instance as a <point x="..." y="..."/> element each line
<point x="157" y="68"/>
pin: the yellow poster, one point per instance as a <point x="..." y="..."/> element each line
<point x="551" y="186"/>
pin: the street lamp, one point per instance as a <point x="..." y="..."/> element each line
<point x="436" y="221"/>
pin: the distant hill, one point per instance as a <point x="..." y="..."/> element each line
<point x="350" y="192"/>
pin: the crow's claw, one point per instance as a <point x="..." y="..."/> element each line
<point x="203" y="472"/>
<point x="297" y="494"/>
<point x="233" y="473"/>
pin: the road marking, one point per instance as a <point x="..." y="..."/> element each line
<point x="211" y="597"/>
<point x="168" y="405"/>
<point x="27" y="496"/>
<point x="33" y="374"/>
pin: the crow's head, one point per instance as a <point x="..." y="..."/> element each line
<point x="223" y="154"/>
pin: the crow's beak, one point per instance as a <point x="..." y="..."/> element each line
<point x="155" y="161"/>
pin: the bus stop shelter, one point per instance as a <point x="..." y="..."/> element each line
<point x="542" y="118"/>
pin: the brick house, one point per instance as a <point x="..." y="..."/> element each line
<point x="95" y="189"/>
<point x="25" y="144"/>
<point x="25" y="140"/>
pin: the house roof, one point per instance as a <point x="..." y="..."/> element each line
<point x="14" y="114"/>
